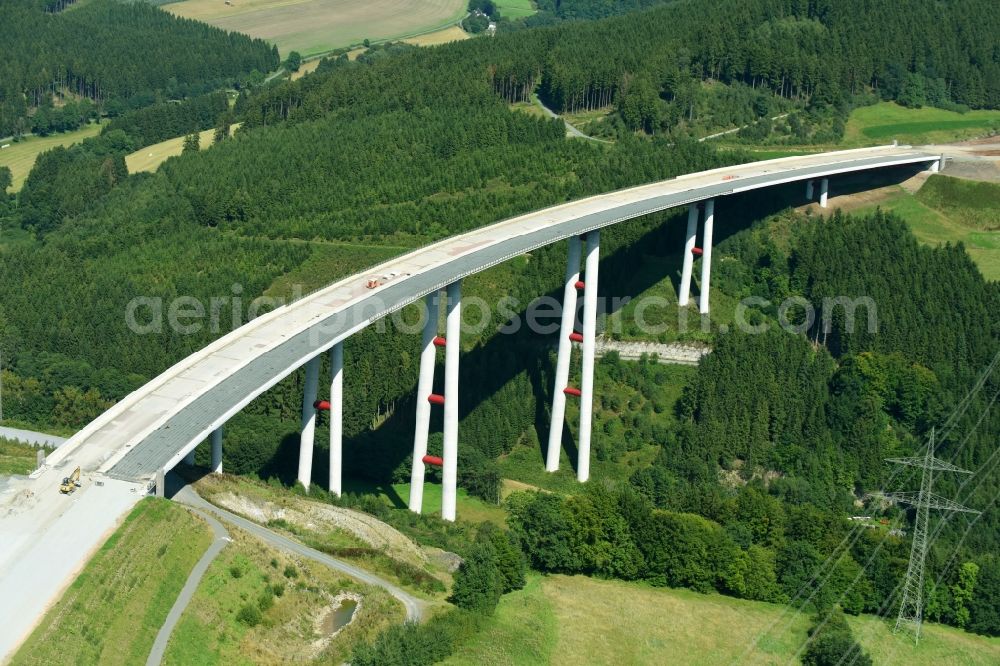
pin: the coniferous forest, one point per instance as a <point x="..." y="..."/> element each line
<point x="107" y="57"/>
<point x="774" y="441"/>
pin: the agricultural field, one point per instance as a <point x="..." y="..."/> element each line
<point x="307" y="67"/>
<point x="292" y="616"/>
<point x="113" y="610"/>
<point x="452" y="33"/>
<point x="574" y="619"/>
<point x="21" y="156"/>
<point x="151" y="157"/>
<point x="316" y="26"/>
<point x="882" y="123"/>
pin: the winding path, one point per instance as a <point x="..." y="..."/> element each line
<point x="414" y="607"/>
<point x="571" y="130"/>
<point x="190" y="498"/>
<point x="190" y="587"/>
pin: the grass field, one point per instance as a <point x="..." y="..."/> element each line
<point x="113" y="610"/>
<point x="881" y="123"/>
<point x="452" y="33"/>
<point x="17" y="458"/>
<point x="315" y="26"/>
<point x="21" y="156"/>
<point x="577" y="620"/>
<point x="151" y="157"/>
<point x="512" y="9"/>
<point x="290" y="630"/>
<point x="305" y="68"/>
<point x="468" y="508"/>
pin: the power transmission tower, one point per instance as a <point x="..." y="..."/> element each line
<point x="911" y="608"/>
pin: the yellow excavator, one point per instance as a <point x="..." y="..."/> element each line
<point x="70" y="483"/>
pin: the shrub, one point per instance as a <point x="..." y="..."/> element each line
<point x="249" y="615"/>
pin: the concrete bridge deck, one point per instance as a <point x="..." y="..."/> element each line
<point x="156" y="426"/>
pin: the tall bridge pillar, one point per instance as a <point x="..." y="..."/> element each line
<point x="426" y="398"/>
<point x="449" y="476"/>
<point x="336" y="418"/>
<point x="565" y="351"/>
<point x="189" y="458"/>
<point x="706" y="256"/>
<point x="824" y="187"/>
<point x="587" y="366"/>
<point x="308" y="432"/>
<point x="425" y="387"/>
<point x="809" y="190"/>
<point x="217" y="451"/>
<point x="692" y="230"/>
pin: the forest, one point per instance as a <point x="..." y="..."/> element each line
<point x="773" y="440"/>
<point x="166" y="120"/>
<point x="106" y="57"/>
<point x="686" y="68"/>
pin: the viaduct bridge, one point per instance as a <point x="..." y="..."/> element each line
<point x="155" y="428"/>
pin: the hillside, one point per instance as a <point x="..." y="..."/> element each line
<point x="114" y="608"/>
<point x="577" y="620"/>
<point x="738" y="477"/>
<point x="944" y="210"/>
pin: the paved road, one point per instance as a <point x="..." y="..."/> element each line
<point x="46" y="538"/>
<point x="32" y="437"/>
<point x="187" y="592"/>
<point x="414" y="606"/>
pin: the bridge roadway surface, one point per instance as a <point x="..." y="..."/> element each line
<point x="46" y="538"/>
<point x="158" y="424"/>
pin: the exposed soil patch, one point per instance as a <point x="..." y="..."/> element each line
<point x="324" y="517"/>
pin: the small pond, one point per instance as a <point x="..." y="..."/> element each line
<point x="339" y="617"/>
